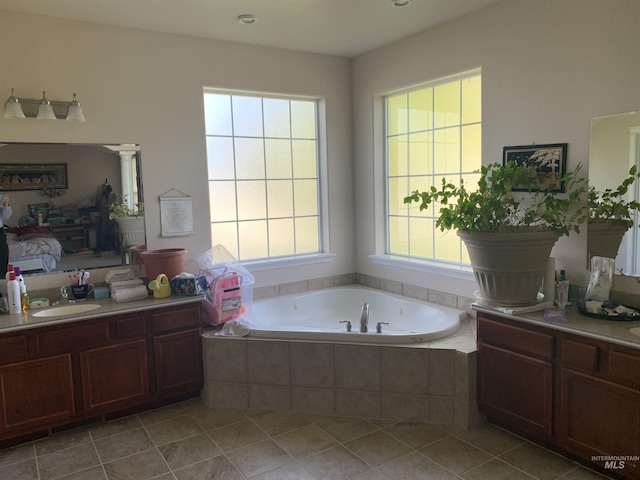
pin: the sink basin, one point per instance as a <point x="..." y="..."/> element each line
<point x="67" y="310"/>
<point x="635" y="331"/>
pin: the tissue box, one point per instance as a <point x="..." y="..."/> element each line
<point x="189" y="286"/>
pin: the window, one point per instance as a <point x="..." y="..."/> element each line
<point x="263" y="168"/>
<point x="432" y="132"/>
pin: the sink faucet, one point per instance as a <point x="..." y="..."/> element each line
<point x="64" y="297"/>
<point x="364" y="318"/>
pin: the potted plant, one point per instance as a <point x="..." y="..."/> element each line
<point x="610" y="216"/>
<point x="130" y="222"/>
<point x="509" y="235"/>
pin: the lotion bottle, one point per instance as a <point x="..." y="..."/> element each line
<point x="13" y="294"/>
<point x="563" y="290"/>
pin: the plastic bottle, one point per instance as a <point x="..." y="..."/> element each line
<point x="24" y="296"/>
<point x="563" y="290"/>
<point x="9" y="270"/>
<point x="13" y="294"/>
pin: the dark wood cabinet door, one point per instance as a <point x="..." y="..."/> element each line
<point x="516" y="389"/>
<point x="36" y="394"/>
<point x="178" y="358"/>
<point x="116" y="376"/>
<point x="599" y="418"/>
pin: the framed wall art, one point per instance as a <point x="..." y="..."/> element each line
<point x="32" y="176"/>
<point x="549" y="161"/>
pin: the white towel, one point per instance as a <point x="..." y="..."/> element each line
<point x="127" y="294"/>
<point x="119" y="274"/>
<point x="126" y="283"/>
<point x="239" y="327"/>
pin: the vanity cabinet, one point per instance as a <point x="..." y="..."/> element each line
<point x="573" y="393"/>
<point x="56" y="375"/>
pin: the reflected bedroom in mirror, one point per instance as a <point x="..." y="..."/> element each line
<point x="614" y="147"/>
<point x="61" y="196"/>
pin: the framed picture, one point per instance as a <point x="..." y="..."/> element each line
<point x="549" y="161"/>
<point x="32" y="176"/>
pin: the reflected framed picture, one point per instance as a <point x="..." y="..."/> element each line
<point x="549" y="161"/>
<point x="33" y="176"/>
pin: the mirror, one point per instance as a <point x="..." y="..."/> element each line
<point x="60" y="193"/>
<point x="614" y="146"/>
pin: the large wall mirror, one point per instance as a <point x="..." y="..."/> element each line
<point x="60" y="195"/>
<point x="614" y="146"/>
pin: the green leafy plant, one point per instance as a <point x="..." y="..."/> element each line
<point x="120" y="210"/>
<point x="612" y="205"/>
<point x="494" y="206"/>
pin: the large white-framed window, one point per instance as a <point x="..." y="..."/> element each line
<point x="264" y="169"/>
<point x="432" y="131"/>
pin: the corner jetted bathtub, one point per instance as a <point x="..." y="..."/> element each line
<point x="323" y="315"/>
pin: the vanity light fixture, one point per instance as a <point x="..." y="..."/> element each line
<point x="400" y="3"/>
<point x="43" y="109"/>
<point x="247" y="19"/>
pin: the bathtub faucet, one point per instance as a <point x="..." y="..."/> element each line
<point x="364" y="318"/>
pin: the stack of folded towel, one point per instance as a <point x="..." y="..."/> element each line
<point x="125" y="286"/>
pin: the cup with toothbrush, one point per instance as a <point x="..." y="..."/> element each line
<point x="80" y="286"/>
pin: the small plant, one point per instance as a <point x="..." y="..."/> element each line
<point x="494" y="208"/>
<point x="612" y="205"/>
<point x="52" y="193"/>
<point x="120" y="210"/>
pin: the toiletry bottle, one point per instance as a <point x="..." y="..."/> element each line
<point x="13" y="294"/>
<point x="563" y="290"/>
<point x="24" y="296"/>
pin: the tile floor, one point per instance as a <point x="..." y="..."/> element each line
<point x="189" y="441"/>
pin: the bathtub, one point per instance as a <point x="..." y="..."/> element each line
<point x="322" y="315"/>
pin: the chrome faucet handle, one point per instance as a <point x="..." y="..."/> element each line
<point x="379" y="326"/>
<point x="348" y="324"/>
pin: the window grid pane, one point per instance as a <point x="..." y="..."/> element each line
<point x="262" y="156"/>
<point x="432" y="132"/>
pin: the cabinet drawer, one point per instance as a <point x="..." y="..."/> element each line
<point x="187" y="317"/>
<point x="625" y="367"/>
<point x="580" y="355"/>
<point x="515" y="338"/>
<point x="128" y="327"/>
<point x="77" y="336"/>
<point x="13" y="349"/>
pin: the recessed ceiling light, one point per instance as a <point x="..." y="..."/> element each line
<point x="247" y="19"/>
<point x="400" y="3"/>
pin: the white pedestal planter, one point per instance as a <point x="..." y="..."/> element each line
<point x="131" y="230"/>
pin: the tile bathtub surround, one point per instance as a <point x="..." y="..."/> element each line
<point x="189" y="441"/>
<point x="407" y="382"/>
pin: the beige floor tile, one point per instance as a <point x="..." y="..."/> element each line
<point x="582" y="473"/>
<point x="16" y="454"/>
<point x="537" y="461"/>
<point x="162" y="414"/>
<point x="455" y="455"/>
<point x="277" y="423"/>
<point x="492" y="440"/>
<point x="291" y="471"/>
<point x="123" y="444"/>
<point x="416" y="434"/>
<point x="209" y="418"/>
<point x="375" y="474"/>
<point x="259" y="458"/>
<point x="337" y="463"/>
<point x="67" y="461"/>
<point x="60" y="441"/>
<point x="237" y="435"/>
<point x="344" y="429"/>
<point x="172" y="430"/>
<point x="141" y="466"/>
<point x="189" y="450"/>
<point x="218" y="468"/>
<point x="305" y="441"/>
<point x="94" y="473"/>
<point x="25" y="470"/>
<point x="415" y="467"/>
<point x="114" y="427"/>
<point x="377" y="448"/>
<point x="495" y="470"/>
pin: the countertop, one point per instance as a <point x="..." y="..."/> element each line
<point x="26" y="320"/>
<point x="607" y="330"/>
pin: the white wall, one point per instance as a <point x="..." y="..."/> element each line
<point x="548" y="66"/>
<point x="142" y="87"/>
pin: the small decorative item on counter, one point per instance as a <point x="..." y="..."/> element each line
<point x="562" y="298"/>
<point x="189" y="284"/>
<point x="160" y="286"/>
